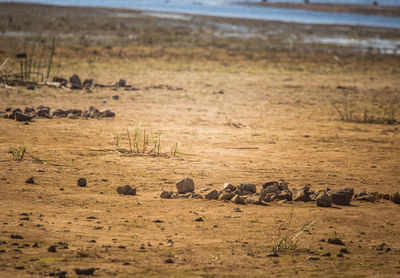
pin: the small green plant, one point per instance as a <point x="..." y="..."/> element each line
<point x="18" y="153"/>
<point x="174" y="149"/>
<point x="286" y="238"/>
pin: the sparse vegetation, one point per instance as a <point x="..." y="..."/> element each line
<point x="18" y="153"/>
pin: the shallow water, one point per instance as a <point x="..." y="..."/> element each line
<point x="225" y="8"/>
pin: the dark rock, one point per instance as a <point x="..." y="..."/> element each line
<point x="107" y="113"/>
<point x="228" y="187"/>
<point x="43" y="111"/>
<point x="169" y="261"/>
<point x="284" y="195"/>
<point x="336" y="241"/>
<point x="126" y="190"/>
<point x="249" y="187"/>
<point x="59" y="113"/>
<point x="21" y="117"/>
<point x="52" y="249"/>
<point x="35" y="245"/>
<point x="366" y="198"/>
<point x="87" y="83"/>
<point x="30" y="87"/>
<point x="15" y="236"/>
<point x="29" y="110"/>
<point x="61" y="80"/>
<point x="269" y="197"/>
<point x="184" y="186"/>
<point x="344" y="251"/>
<point x="59" y="274"/>
<point x="91" y="113"/>
<point x="30" y="180"/>
<point x="301" y="194"/>
<point x="341" y="196"/>
<point x="82" y="182"/>
<point x="254" y="199"/>
<point x="212" y="195"/>
<point x="238" y="199"/>
<point x="273" y="254"/>
<point x="324" y="200"/>
<point x="84" y="271"/>
<point x="226" y="196"/>
<point x="166" y="194"/>
<point x="199" y="219"/>
<point x="328" y="254"/>
<point x="395" y="198"/>
<point x="270" y="183"/>
<point x="115" y="97"/>
<point x="270" y="189"/>
<point x="76" y="83"/>
<point x="122" y="83"/>
<point x="313" y="258"/>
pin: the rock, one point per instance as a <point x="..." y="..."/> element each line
<point x="254" y="199"/>
<point x="107" y="113"/>
<point x="16" y="236"/>
<point x="247" y="187"/>
<point x="367" y="198"/>
<point x="284" y="195"/>
<point x="43" y="111"/>
<point x="72" y="117"/>
<point x="386" y="196"/>
<point x="341" y="196"/>
<point x="270" y="183"/>
<point x="313" y="258"/>
<point x="395" y="198"/>
<point x="271" y="189"/>
<point x="226" y="196"/>
<point x="336" y="241"/>
<point x="273" y="254"/>
<point x="237" y="199"/>
<point x="59" y="274"/>
<point x="59" y="113"/>
<point x="283" y="186"/>
<point x="185" y="185"/>
<point x="324" y="200"/>
<point x="116" y="97"/>
<point x="169" y="261"/>
<point x="199" y="219"/>
<point x="87" y="83"/>
<point x="344" y="251"/>
<point x="122" y="83"/>
<point x="328" y="254"/>
<point x="237" y="210"/>
<point x="228" y="187"/>
<point x="196" y="196"/>
<point x="84" y="271"/>
<point x="269" y="197"/>
<point x="52" y="249"/>
<point x="166" y="194"/>
<point x="126" y="190"/>
<point x="77" y="112"/>
<point x="82" y="182"/>
<point x="30" y="180"/>
<point x="63" y="82"/>
<point x="29" y="110"/>
<point x="76" y="83"/>
<point x="91" y="113"/>
<point x="301" y="194"/>
<point x="212" y="195"/>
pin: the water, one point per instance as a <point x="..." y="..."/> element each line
<point x="225" y="8"/>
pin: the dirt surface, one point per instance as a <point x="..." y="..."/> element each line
<point x="240" y="114"/>
<point x="337" y="8"/>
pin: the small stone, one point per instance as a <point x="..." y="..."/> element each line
<point x="226" y="196"/>
<point x="340" y="255"/>
<point x="21" y="117"/>
<point x="324" y="200"/>
<point x="122" y="83"/>
<point x="366" y="198"/>
<point x="344" y="251"/>
<point x="237" y="210"/>
<point x="212" y="195"/>
<point x="126" y="190"/>
<point x="237" y="200"/>
<point x="248" y="187"/>
<point x="328" y="254"/>
<point x="84" y="271"/>
<point x="301" y="194"/>
<point x="341" y="196"/>
<point x="269" y="197"/>
<point x="273" y="254"/>
<point x="228" y="186"/>
<point x="270" y="189"/>
<point x="30" y="180"/>
<point x="335" y="240"/>
<point x="166" y="194"/>
<point x="395" y="198"/>
<point x="52" y="249"/>
<point x="254" y="199"/>
<point x="270" y="183"/>
<point x="107" y="113"/>
<point x="15" y="236"/>
<point x="76" y="83"/>
<point x="116" y="97"/>
<point x="184" y="186"/>
<point x="199" y="219"/>
<point x="82" y="182"/>
<point x="169" y="261"/>
<point x="313" y="258"/>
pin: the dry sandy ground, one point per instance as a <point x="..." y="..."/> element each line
<point x="273" y="121"/>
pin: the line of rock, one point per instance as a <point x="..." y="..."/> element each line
<point x="274" y="191"/>
<point x="45" y="112"/>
